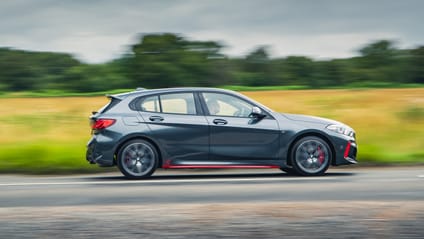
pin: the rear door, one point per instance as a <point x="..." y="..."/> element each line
<point x="234" y="136"/>
<point x="177" y="125"/>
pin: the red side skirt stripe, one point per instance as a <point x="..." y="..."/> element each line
<point x="220" y="166"/>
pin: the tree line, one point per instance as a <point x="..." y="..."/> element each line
<point x="170" y="60"/>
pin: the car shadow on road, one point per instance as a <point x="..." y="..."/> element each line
<point x="219" y="176"/>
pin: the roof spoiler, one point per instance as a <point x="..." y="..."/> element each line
<point x="117" y="97"/>
<point x="123" y="95"/>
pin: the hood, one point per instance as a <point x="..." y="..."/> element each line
<point x="310" y="119"/>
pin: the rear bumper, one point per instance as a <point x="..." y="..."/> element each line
<point x="99" y="154"/>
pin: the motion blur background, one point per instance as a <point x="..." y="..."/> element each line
<point x="360" y="62"/>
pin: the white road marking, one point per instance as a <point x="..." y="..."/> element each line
<point x="421" y="176"/>
<point x="165" y="181"/>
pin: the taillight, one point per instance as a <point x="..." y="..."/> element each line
<point x="102" y="123"/>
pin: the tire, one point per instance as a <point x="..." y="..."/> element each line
<point x="289" y="171"/>
<point x="137" y="159"/>
<point x="311" y="156"/>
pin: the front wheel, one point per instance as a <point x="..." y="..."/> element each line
<point x="311" y="156"/>
<point x="289" y="171"/>
<point x="137" y="159"/>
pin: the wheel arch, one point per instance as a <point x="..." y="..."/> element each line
<point x="133" y="137"/>
<point x="318" y="134"/>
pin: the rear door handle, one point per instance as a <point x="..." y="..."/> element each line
<point x="156" y="118"/>
<point x="219" y="121"/>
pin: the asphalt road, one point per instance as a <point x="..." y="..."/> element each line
<point x="175" y="186"/>
<point x="346" y="203"/>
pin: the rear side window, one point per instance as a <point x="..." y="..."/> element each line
<point x="181" y="103"/>
<point x="150" y="104"/>
<point x="173" y="103"/>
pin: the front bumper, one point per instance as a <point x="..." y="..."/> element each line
<point x="350" y="152"/>
<point x="345" y="150"/>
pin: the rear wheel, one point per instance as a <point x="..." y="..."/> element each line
<point x="311" y="156"/>
<point x="137" y="159"/>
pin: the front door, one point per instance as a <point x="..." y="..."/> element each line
<point x="236" y="137"/>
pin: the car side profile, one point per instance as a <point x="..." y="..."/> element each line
<point x="176" y="128"/>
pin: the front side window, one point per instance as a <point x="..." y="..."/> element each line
<point x="226" y="105"/>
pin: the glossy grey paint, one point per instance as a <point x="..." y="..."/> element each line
<point x="244" y="138"/>
<point x="197" y="140"/>
<point x="182" y="137"/>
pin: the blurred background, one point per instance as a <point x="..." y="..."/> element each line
<point x="359" y="62"/>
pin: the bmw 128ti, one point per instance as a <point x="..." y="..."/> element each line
<point x="177" y="128"/>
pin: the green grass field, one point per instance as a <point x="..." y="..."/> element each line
<point x="48" y="135"/>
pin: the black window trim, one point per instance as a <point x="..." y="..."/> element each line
<point x="141" y="99"/>
<point x="134" y="104"/>
<point x="207" y="113"/>
<point x="113" y="101"/>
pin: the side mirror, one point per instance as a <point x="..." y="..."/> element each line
<point x="257" y="113"/>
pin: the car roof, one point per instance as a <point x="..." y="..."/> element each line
<point x="142" y="91"/>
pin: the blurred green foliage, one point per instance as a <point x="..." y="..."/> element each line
<point x="170" y="60"/>
<point x="45" y="158"/>
<point x="413" y="113"/>
<point x="48" y="135"/>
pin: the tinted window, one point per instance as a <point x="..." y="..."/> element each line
<point x="150" y="104"/>
<point x="227" y="105"/>
<point x="179" y="103"/>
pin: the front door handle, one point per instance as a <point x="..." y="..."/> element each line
<point x="219" y="121"/>
<point x="155" y="118"/>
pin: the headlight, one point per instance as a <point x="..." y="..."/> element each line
<point x="341" y="129"/>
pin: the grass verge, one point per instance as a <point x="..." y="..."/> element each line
<point x="47" y="135"/>
<point x="45" y="158"/>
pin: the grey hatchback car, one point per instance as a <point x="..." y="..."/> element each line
<point x="176" y="128"/>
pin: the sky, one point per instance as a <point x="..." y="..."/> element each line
<point x="97" y="31"/>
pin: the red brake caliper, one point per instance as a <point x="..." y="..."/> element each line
<point x="321" y="155"/>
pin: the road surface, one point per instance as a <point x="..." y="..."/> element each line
<point x="347" y="202"/>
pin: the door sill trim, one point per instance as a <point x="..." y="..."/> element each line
<point x="169" y="166"/>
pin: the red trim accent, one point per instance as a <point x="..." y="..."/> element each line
<point x="219" y="166"/>
<point x="346" y="153"/>
<point x="321" y="155"/>
<point x="167" y="163"/>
